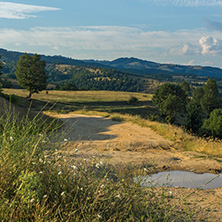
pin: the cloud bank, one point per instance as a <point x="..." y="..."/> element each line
<point x="210" y="46"/>
<point x="10" y="10"/>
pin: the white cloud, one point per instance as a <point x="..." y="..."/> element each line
<point x="110" y="42"/>
<point x="11" y="10"/>
<point x="189" y="3"/>
<point x="210" y="46"/>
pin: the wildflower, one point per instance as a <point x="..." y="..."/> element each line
<point x="40" y="135"/>
<point x="33" y="163"/>
<point x="171" y="193"/>
<point x="56" y="150"/>
<point x="11" y="138"/>
<point x="85" y="159"/>
<point x="102" y="186"/>
<point x="63" y="193"/>
<point x="40" y="172"/>
<point x="98" y="165"/>
<point x="60" y="172"/>
<point x="45" y="196"/>
<point x="43" y="141"/>
<point x="76" y="150"/>
<point x="118" y="196"/>
<point x="74" y="167"/>
<point x="66" y="140"/>
<point x="99" y="216"/>
<point x="145" y="169"/>
<point x="40" y="160"/>
<point x="101" y="163"/>
<point x="32" y="200"/>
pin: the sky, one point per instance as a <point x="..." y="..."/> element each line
<point x="187" y="32"/>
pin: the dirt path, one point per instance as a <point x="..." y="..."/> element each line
<point x="122" y="143"/>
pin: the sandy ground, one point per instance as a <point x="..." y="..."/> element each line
<point x="124" y="143"/>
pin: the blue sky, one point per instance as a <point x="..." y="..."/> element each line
<point x="166" y="31"/>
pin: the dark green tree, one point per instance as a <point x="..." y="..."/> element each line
<point x="185" y="87"/>
<point x="171" y="100"/>
<point x="213" y="125"/>
<point x="198" y="94"/>
<point x="210" y="99"/>
<point x="194" y="116"/>
<point x="30" y="72"/>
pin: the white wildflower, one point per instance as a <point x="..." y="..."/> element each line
<point x="40" y="172"/>
<point x="76" y="150"/>
<point x="145" y="169"/>
<point x="60" y="173"/>
<point x="11" y="138"/>
<point x="32" y="200"/>
<point x="98" y="165"/>
<point x="40" y="160"/>
<point x="99" y="216"/>
<point x="33" y="163"/>
<point x="66" y="140"/>
<point x="40" y="135"/>
<point x="85" y="159"/>
<point x="118" y="196"/>
<point x="74" y="167"/>
<point x="56" y="150"/>
<point x="63" y="193"/>
<point x="45" y="196"/>
<point x="101" y="163"/>
<point x="102" y="186"/>
<point x="171" y="193"/>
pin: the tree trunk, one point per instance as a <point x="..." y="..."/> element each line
<point x="30" y="94"/>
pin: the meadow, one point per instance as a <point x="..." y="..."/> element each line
<point x="39" y="182"/>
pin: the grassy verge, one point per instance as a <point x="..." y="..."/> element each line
<point x="37" y="183"/>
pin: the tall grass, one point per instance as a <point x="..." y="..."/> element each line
<point x="38" y="183"/>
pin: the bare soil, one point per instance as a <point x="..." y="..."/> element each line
<point x="127" y="143"/>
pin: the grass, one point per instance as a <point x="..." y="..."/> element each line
<point x="38" y="183"/>
<point x="115" y="106"/>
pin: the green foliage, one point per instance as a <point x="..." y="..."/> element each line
<point x="213" y="125"/>
<point x="132" y="100"/>
<point x="210" y="99"/>
<point x="185" y="87"/>
<point x="198" y="94"/>
<point x="30" y="72"/>
<point x="194" y="116"/>
<point x="171" y="100"/>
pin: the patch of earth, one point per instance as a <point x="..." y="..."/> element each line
<point x="126" y="143"/>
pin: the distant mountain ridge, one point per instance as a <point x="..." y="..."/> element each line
<point x="139" y="66"/>
<point x="130" y="65"/>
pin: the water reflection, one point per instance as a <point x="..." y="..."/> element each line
<point x="181" y="179"/>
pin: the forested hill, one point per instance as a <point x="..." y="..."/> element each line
<point x="139" y="66"/>
<point x="123" y="74"/>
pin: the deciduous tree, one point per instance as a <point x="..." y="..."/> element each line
<point x="30" y="72"/>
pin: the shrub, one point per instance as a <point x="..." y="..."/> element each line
<point x="132" y="100"/>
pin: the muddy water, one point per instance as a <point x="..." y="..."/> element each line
<point x="181" y="179"/>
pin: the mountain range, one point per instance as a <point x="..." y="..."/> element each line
<point x="129" y="65"/>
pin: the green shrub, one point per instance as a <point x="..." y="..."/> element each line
<point x="132" y="100"/>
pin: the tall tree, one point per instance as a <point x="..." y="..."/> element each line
<point x="31" y="74"/>
<point x="210" y="99"/>
<point x="171" y="100"/>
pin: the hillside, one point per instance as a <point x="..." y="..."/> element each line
<point x="139" y="66"/>
<point x="123" y="74"/>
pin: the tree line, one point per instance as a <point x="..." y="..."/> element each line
<point x="201" y="109"/>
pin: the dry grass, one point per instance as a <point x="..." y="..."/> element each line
<point x="182" y="140"/>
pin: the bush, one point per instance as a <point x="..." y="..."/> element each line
<point x="213" y="125"/>
<point x="132" y="100"/>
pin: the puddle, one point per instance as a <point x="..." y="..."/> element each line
<point x="181" y="179"/>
